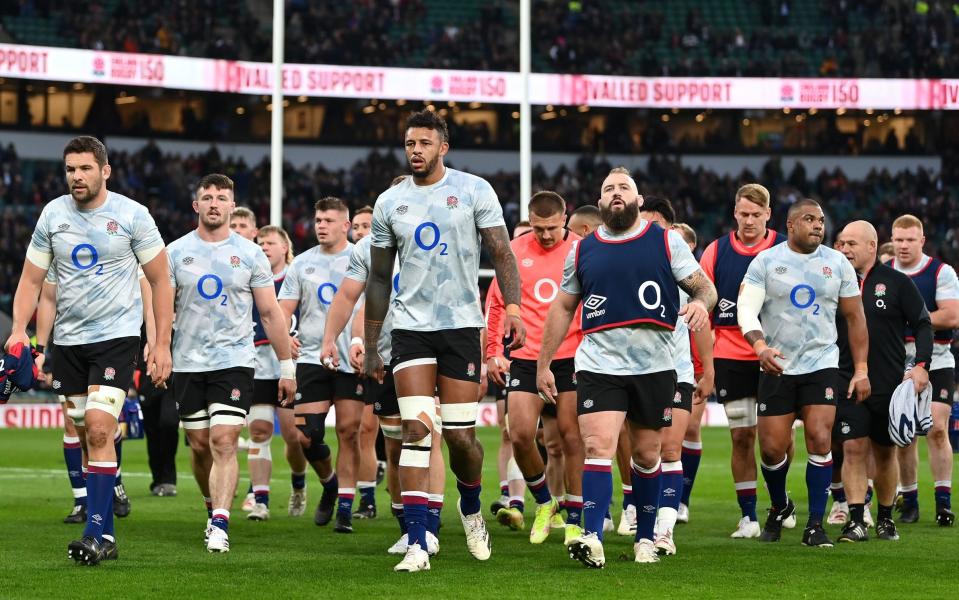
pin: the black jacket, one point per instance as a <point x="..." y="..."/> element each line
<point x="891" y="301"/>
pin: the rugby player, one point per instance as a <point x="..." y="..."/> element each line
<point x="219" y="276"/>
<point x="795" y="289"/>
<point x="74" y="436"/>
<point x="434" y="221"/>
<point x="541" y="255"/>
<point x="891" y="303"/>
<point x="939" y="287"/>
<point x="311" y="283"/>
<point x="688" y="392"/>
<point x="737" y="369"/>
<point x="628" y="273"/>
<point x="96" y="239"/>
<point x="370" y="426"/>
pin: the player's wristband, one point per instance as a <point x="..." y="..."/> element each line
<point x="357" y="341"/>
<point x="287" y="369"/>
<point x="918" y="364"/>
<point x="513" y="310"/>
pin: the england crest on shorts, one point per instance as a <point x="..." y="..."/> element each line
<point x="678" y="398"/>
<point x="667" y="415"/>
<point x="359" y="389"/>
<point x="235" y="395"/>
<point x="829" y="393"/>
<point x="109" y="373"/>
<point x="943" y="394"/>
<point x="470" y="370"/>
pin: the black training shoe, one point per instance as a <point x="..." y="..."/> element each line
<point x="909" y="514"/>
<point x="109" y="549"/>
<point x="854" y="532"/>
<point x="344" y="523"/>
<point x="380" y="471"/>
<point x="121" y="503"/>
<point x="85" y="551"/>
<point x="499" y="503"/>
<point x="77" y="515"/>
<point x="324" y="510"/>
<point x="815" y="536"/>
<point x="945" y="517"/>
<point x="886" y="530"/>
<point x="773" y="528"/>
<point x="366" y="512"/>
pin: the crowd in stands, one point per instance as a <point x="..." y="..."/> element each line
<point x="841" y="38"/>
<point x="702" y="198"/>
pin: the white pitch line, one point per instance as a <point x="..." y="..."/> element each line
<point x="22" y="473"/>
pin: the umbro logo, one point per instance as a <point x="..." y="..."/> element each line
<point x="514" y="383"/>
<point x="649" y="508"/>
<point x="669" y="492"/>
<point x="780" y="270"/>
<point x="63" y="226"/>
<point x="594" y="301"/>
<point x="527" y="262"/>
<point x="187" y="260"/>
<point x="401" y="209"/>
<point x="310" y="270"/>
<point x="725" y="304"/>
<point x="587" y="403"/>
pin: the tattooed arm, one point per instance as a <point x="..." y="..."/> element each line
<point x="702" y="299"/>
<point x="377" y="303"/>
<point x="497" y="240"/>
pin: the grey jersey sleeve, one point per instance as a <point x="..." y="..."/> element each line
<point x="145" y="234"/>
<point x="756" y="273"/>
<point x="947" y="285"/>
<point x="359" y="263"/>
<point x="487" y="209"/>
<point x="290" y="290"/>
<point x="381" y="231"/>
<point x="682" y="261"/>
<point x="571" y="284"/>
<point x="262" y="274"/>
<point x="850" y="282"/>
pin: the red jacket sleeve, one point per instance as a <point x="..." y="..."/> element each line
<point x="494" y="320"/>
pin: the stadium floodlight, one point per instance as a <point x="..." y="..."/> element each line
<point x="276" y="118"/>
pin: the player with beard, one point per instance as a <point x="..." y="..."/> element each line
<point x="628" y="273"/>
<point x="434" y="221"/>
<point x="219" y="276"/>
<point x="796" y="289"/>
<point x="96" y="239"/>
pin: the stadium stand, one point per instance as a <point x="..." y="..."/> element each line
<point x="807" y="38"/>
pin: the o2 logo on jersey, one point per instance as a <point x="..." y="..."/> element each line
<point x="803" y="296"/>
<point x="202" y="288"/>
<point x="657" y="295"/>
<point x="325" y="293"/>
<point x="418" y="237"/>
<point x="85" y="256"/>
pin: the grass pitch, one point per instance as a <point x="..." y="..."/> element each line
<point x="162" y="553"/>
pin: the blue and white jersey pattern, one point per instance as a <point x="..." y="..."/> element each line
<point x="312" y="280"/>
<point x="214" y="284"/>
<point x="94" y="256"/>
<point x="360" y="271"/>
<point x="435" y="230"/>
<point x="685" y="372"/>
<point x="802" y="296"/>
<point x="630" y="350"/>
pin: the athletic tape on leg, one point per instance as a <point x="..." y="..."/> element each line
<point x="78" y="411"/>
<point x="225" y="414"/>
<point x="741" y="413"/>
<point x="261" y="412"/>
<point x="422" y="409"/>
<point x="260" y="450"/>
<point x="460" y="416"/>
<point x="108" y="399"/>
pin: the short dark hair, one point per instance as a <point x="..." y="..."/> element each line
<point x="661" y="206"/>
<point x="216" y="180"/>
<point x="364" y="210"/>
<point x="799" y="205"/>
<point x="429" y="120"/>
<point x="589" y="211"/>
<point x="87" y="143"/>
<point x="546" y="204"/>
<point x="331" y="203"/>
